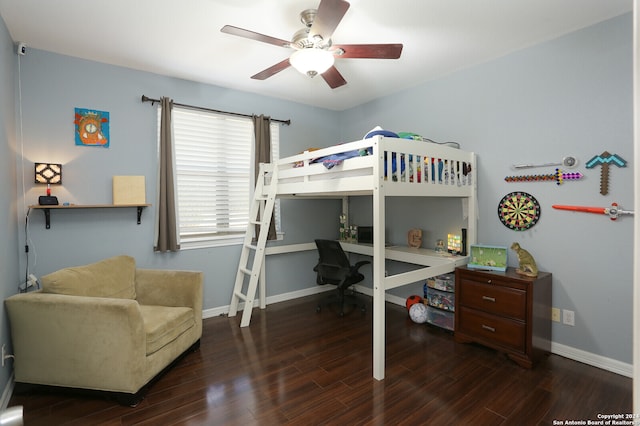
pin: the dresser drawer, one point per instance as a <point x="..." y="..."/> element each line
<point x="504" y="311"/>
<point x="492" y="329"/>
<point x="496" y="299"/>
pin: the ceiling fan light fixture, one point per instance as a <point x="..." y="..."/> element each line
<point x="312" y="61"/>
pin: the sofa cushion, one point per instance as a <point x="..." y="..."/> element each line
<point x="163" y="324"/>
<point x="113" y="277"/>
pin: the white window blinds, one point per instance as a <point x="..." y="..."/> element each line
<point x="214" y="174"/>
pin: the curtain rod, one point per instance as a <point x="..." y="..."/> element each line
<point x="237" y="114"/>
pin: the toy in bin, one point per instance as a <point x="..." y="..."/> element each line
<point x="440" y="299"/>
<point x="444" y="282"/>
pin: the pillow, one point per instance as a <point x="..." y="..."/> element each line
<point x="113" y="278"/>
<point x="380" y="131"/>
<point x="386" y="133"/>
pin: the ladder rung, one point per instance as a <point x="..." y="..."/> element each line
<point x="240" y="296"/>
<point x="255" y="222"/>
<point x="251" y="246"/>
<point x="246" y="271"/>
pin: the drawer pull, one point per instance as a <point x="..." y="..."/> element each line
<point x="488" y="281"/>
<point x="489" y="299"/>
<point x="491" y="329"/>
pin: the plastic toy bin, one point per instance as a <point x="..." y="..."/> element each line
<point x="440" y="318"/>
<point x="446" y="282"/>
<point x="441" y="299"/>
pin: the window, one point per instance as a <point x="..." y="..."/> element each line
<point x="214" y="174"/>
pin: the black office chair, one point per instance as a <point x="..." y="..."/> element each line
<point x="334" y="268"/>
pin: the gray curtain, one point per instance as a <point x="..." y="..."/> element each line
<point x="167" y="237"/>
<point x="262" y="130"/>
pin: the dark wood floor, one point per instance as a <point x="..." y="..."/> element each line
<point x="293" y="366"/>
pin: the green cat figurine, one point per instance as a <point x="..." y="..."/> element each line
<point x="527" y="262"/>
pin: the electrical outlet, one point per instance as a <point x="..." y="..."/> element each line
<point x="555" y="314"/>
<point x="33" y="280"/>
<point x="568" y="317"/>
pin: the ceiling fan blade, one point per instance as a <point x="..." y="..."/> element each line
<point x="229" y="29"/>
<point x="272" y="70"/>
<point x="333" y="78"/>
<point x="368" y="51"/>
<point x="330" y="13"/>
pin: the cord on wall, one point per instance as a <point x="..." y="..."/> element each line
<point x="20" y="128"/>
<point x="21" y="50"/>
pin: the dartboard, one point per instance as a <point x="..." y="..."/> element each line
<point x="519" y="211"/>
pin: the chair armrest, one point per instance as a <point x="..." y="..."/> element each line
<point x="171" y="288"/>
<point x="359" y="264"/>
<point x="53" y="335"/>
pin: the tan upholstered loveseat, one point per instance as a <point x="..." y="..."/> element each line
<point x="106" y="326"/>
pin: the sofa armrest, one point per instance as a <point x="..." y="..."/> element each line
<point x="171" y="288"/>
<point x="76" y="340"/>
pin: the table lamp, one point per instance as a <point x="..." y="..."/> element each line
<point x="51" y="174"/>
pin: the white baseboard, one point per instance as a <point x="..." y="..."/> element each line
<point x="396" y="300"/>
<point x="569" y="352"/>
<point x="224" y="310"/>
<point x="599" y="361"/>
<point x="565" y="351"/>
<point x="7" y="393"/>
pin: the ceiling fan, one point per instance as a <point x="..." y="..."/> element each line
<point x="314" y="51"/>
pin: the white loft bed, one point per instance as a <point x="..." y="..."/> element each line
<point x="418" y="169"/>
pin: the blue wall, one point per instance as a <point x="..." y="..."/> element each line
<point x="9" y="251"/>
<point x="569" y="96"/>
<point x="53" y="85"/>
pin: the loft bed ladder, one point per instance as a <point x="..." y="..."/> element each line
<point x="251" y="264"/>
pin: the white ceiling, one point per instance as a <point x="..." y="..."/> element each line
<point x="183" y="39"/>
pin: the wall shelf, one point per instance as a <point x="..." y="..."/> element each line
<point x="47" y="209"/>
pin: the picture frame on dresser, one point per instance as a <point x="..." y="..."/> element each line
<point x="487" y="257"/>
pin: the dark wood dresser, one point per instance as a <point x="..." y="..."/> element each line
<point x="505" y="311"/>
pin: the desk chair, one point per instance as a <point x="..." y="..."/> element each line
<point x="334" y="268"/>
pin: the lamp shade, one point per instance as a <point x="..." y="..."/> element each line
<point x="312" y="61"/>
<point x="48" y="173"/>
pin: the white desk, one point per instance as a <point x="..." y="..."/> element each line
<point x="433" y="262"/>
